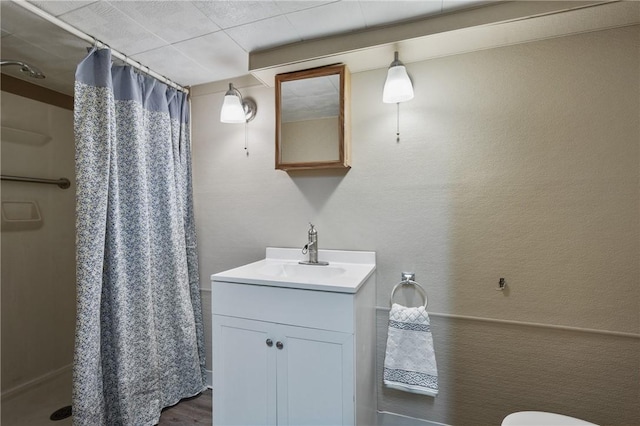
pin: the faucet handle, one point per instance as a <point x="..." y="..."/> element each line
<point x="312" y="230"/>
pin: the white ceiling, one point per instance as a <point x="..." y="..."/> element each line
<point x="190" y="42"/>
<point x="197" y="42"/>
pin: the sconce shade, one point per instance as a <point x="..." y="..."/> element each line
<point x="232" y="111"/>
<point x="397" y="87"/>
<point x="235" y="109"/>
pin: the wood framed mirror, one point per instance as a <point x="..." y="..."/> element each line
<point x="313" y="119"/>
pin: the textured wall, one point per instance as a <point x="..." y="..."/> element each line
<point x="519" y="162"/>
<point x="38" y="265"/>
<point x="487" y="370"/>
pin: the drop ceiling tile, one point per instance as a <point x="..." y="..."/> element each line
<point x="16" y="20"/>
<point x="229" y="14"/>
<point x="180" y="68"/>
<point x="57" y="8"/>
<point x="172" y="21"/>
<point x="111" y="26"/>
<point x="4" y="33"/>
<point x="36" y="31"/>
<point x="293" y="6"/>
<point x="263" y="34"/>
<point x="217" y="53"/>
<point x="328" y="19"/>
<point x="384" y="12"/>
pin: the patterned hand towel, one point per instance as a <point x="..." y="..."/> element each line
<point x="410" y="361"/>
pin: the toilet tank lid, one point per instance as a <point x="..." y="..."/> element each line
<point x="537" y="418"/>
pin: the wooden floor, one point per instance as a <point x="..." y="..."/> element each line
<point x="191" y="411"/>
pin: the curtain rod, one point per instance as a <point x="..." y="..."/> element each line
<point x="94" y="41"/>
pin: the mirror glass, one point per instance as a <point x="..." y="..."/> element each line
<point x="310" y="119"/>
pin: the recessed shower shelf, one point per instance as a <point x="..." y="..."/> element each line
<point x="20" y="215"/>
<point x="24" y="137"/>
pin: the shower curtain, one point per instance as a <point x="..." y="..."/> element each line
<point x="139" y="333"/>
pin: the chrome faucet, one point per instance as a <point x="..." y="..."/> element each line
<point x="312" y="248"/>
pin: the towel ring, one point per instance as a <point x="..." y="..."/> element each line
<point x="408" y="279"/>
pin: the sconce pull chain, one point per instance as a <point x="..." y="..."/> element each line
<point x="246" y="138"/>
<point x="398" y="122"/>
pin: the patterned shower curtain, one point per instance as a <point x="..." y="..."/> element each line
<point x="139" y="334"/>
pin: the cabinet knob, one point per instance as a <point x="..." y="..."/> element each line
<point x="269" y="342"/>
<point x="279" y="345"/>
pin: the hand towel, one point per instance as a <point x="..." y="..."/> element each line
<point x="410" y="361"/>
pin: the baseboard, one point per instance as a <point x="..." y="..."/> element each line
<point x="391" y="419"/>
<point x="35" y="382"/>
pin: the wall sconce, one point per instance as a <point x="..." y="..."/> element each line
<point x="397" y="87"/>
<point x="235" y="109"/>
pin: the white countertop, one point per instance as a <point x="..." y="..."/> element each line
<point x="346" y="272"/>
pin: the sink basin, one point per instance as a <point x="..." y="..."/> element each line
<point x="346" y="272"/>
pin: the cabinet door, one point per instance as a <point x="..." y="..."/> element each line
<point x="315" y="377"/>
<point x="244" y="376"/>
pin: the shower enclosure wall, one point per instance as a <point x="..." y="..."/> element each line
<point x="38" y="254"/>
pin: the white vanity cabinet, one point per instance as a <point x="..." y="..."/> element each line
<point x="284" y="354"/>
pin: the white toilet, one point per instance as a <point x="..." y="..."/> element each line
<point x="541" y="418"/>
